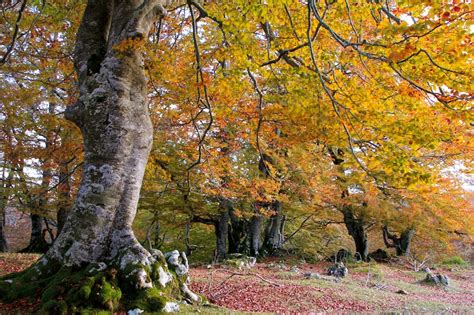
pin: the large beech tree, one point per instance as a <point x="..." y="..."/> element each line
<point x="113" y="116"/>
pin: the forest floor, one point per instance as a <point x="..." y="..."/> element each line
<point x="279" y="287"/>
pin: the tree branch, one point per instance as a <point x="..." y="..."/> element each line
<point x="15" y="34"/>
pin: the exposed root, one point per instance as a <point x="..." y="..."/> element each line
<point x="114" y="286"/>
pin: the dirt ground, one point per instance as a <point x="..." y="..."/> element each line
<point x="279" y="287"/>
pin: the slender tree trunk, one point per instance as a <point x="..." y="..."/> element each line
<point x="3" y="238"/>
<point x="221" y="226"/>
<point x="5" y="195"/>
<point x="356" y="229"/>
<point x="255" y="227"/>
<point x="187" y="240"/>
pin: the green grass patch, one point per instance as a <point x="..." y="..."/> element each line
<point x="455" y="261"/>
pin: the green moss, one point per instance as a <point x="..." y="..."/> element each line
<point x="73" y="290"/>
<point x="106" y="294"/>
<point x="85" y="291"/>
<point x="151" y="300"/>
<point x="132" y="267"/>
<point x="181" y="279"/>
<point x="78" y="294"/>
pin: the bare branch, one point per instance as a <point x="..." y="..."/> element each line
<point x="200" y="81"/>
<point x="422" y="51"/>
<point x="15" y="34"/>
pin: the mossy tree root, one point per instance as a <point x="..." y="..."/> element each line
<point x="98" y="286"/>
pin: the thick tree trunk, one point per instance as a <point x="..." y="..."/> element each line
<point x="356" y="229"/>
<point x="274" y="237"/>
<point x="245" y="235"/>
<point x="113" y="116"/>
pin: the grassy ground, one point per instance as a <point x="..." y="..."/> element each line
<point x="273" y="287"/>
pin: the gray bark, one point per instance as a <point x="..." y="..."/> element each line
<point x="405" y="242"/>
<point x="36" y="229"/>
<point x="221" y="231"/>
<point x="113" y="116"/>
<point x="112" y="113"/>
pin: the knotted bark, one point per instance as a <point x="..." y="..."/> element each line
<point x="113" y="117"/>
<point x="401" y="243"/>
